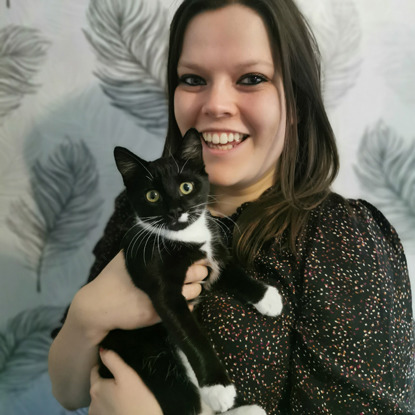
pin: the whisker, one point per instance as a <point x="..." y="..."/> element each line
<point x="181" y="171"/>
<point x="145" y="248"/>
<point x="164" y="241"/>
<point x="138" y="238"/>
<point x="147" y="170"/>
<point x="178" y="168"/>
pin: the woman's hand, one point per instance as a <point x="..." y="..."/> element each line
<point x="112" y="301"/>
<point x="193" y="283"/>
<point x="126" y="394"/>
<point x="109" y="301"/>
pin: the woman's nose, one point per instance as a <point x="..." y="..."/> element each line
<point x="220" y="101"/>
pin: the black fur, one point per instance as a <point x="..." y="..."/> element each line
<point x="158" y="265"/>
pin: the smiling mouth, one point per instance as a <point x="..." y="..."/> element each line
<point x="223" y="141"/>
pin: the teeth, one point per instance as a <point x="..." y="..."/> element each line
<point x="223" y="138"/>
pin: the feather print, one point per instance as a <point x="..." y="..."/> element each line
<point x="396" y="61"/>
<point x="24" y="347"/>
<point x="22" y="51"/>
<point x="13" y="176"/>
<point x="67" y="207"/>
<point x="386" y="169"/>
<point x="338" y="31"/>
<point x="130" y="40"/>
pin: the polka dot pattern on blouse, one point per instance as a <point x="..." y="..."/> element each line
<point x="344" y="343"/>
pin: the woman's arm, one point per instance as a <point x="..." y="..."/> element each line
<point x="354" y="345"/>
<point x="109" y="301"/>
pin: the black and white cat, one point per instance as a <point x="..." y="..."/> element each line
<point x="173" y="230"/>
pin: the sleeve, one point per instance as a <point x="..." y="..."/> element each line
<point x="353" y="351"/>
<point x="109" y="244"/>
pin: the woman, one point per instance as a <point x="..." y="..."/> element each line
<point x="245" y="74"/>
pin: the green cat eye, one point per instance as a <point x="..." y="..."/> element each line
<point x="186" y="188"/>
<point x="152" y="196"/>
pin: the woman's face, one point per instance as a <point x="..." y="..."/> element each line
<point x="230" y="92"/>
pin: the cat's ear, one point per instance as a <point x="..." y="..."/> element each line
<point x="129" y="164"/>
<point x="191" y="147"/>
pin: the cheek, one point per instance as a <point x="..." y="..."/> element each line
<point x="264" y="112"/>
<point x="274" y="117"/>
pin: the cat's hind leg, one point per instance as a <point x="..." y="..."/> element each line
<point x="217" y="397"/>
<point x="206" y="410"/>
<point x="246" y="410"/>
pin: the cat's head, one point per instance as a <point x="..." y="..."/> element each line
<point x="171" y="191"/>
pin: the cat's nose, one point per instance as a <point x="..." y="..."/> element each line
<point x="175" y="213"/>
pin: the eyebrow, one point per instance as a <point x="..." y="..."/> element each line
<point x="241" y="65"/>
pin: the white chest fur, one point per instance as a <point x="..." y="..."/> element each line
<point x="198" y="232"/>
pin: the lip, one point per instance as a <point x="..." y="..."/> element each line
<point x="221" y="130"/>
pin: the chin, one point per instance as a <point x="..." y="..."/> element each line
<point x="222" y="180"/>
<point x="223" y="177"/>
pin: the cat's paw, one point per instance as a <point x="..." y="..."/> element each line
<point x="220" y="398"/>
<point x="246" y="410"/>
<point x="271" y="303"/>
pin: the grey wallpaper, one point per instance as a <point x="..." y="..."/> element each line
<point x="79" y="77"/>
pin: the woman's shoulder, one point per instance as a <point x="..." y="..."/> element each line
<point x="337" y="210"/>
<point x="345" y="222"/>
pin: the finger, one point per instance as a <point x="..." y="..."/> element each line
<point x="196" y="273"/>
<point x="191" y="291"/>
<point x="94" y="376"/>
<point x="114" y="363"/>
<point x="203" y="261"/>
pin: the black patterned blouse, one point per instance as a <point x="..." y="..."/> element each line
<point x="344" y="343"/>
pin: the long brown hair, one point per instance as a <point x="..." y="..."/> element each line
<point x="309" y="161"/>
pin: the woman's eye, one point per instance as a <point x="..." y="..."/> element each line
<point x="186" y="188"/>
<point x="152" y="196"/>
<point x="192" y="80"/>
<point x="252" y="79"/>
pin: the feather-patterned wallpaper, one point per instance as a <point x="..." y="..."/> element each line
<point x="79" y="77"/>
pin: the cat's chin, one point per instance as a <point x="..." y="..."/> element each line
<point x="177" y="226"/>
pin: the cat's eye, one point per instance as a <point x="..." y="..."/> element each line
<point x="152" y="196"/>
<point x="186" y="188"/>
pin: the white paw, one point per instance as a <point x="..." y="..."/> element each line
<point x="219" y="397"/>
<point x="271" y="304"/>
<point x="247" y="410"/>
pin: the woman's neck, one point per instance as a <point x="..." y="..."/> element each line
<point x="226" y="204"/>
<point x="225" y="201"/>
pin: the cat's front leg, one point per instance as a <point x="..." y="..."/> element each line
<point x="271" y="303"/>
<point x="265" y="298"/>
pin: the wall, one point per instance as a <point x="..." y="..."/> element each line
<point x="65" y="104"/>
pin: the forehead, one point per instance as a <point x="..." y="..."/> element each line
<point x="235" y="32"/>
